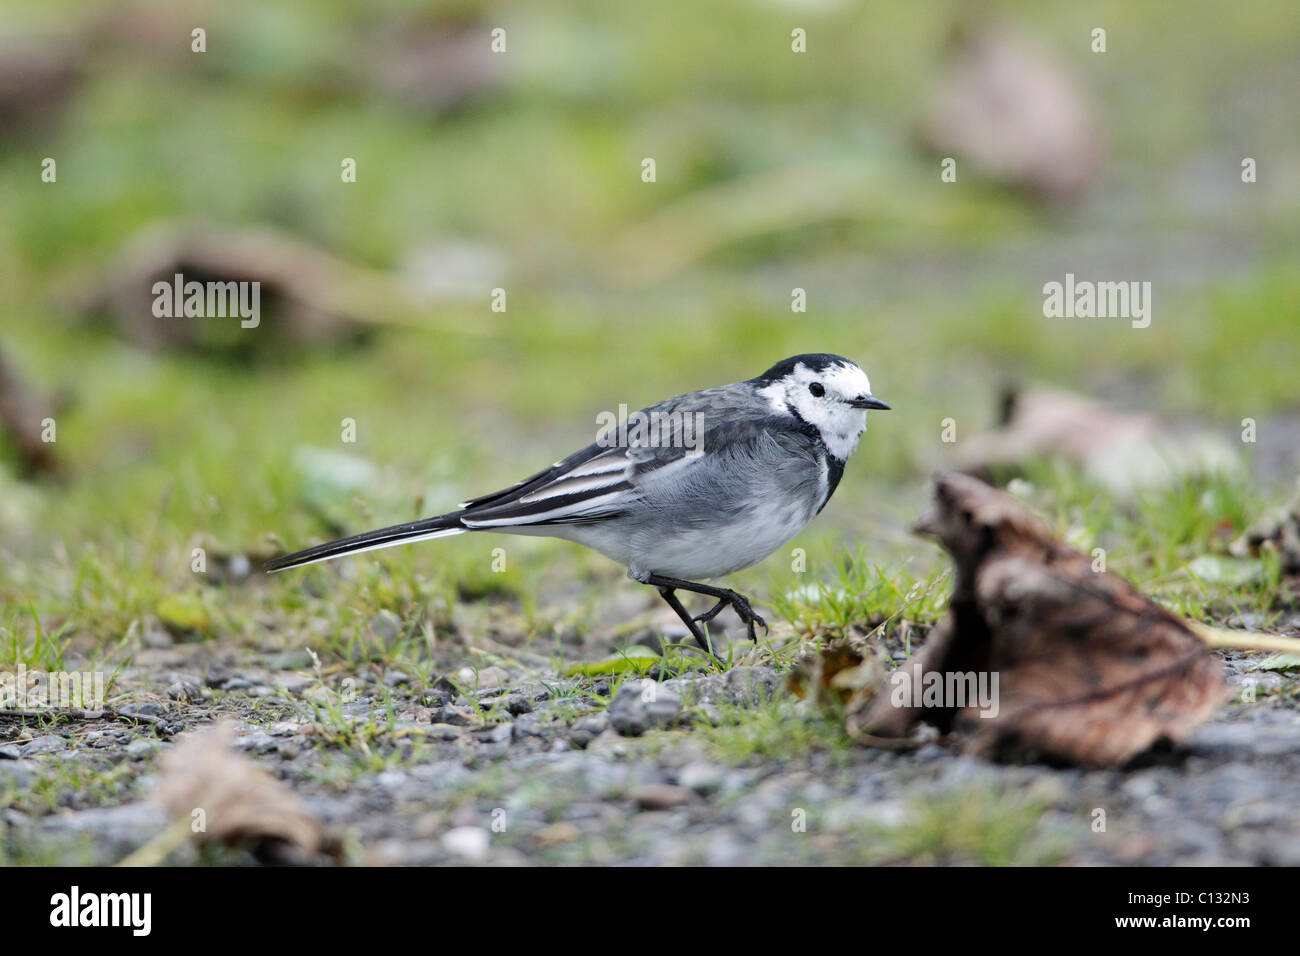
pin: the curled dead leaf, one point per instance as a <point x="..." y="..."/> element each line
<point x="838" y="674"/>
<point x="38" y="77"/>
<point x="1119" y="450"/>
<point x="304" y="295"/>
<point x="1280" y="533"/>
<point x="22" y="414"/>
<point x="1014" y="113"/>
<point x="1087" y="668"/>
<point x="240" y="803"/>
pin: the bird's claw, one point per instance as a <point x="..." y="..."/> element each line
<point x="713" y="611"/>
<point x="744" y="611"/>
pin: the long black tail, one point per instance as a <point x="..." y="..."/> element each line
<point x="441" y="526"/>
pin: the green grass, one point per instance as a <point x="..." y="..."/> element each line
<point x="75" y="784"/>
<point x="39" y="651"/>
<point x="986" y="827"/>
<point x="1155" y="540"/>
<point x="776" y="731"/>
<point x="864" y="598"/>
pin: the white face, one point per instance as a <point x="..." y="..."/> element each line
<point x="840" y="424"/>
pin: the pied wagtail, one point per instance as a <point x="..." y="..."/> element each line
<point x="768" y="456"/>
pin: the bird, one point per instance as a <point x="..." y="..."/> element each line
<point x="685" y="491"/>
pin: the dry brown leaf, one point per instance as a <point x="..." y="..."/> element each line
<point x="305" y="294"/>
<point x="37" y="79"/>
<point x="1089" y="669"/>
<point x="1014" y="113"/>
<point x="1120" y="450"/>
<point x="838" y="672"/>
<point x="22" y="412"/>
<point x="241" y="802"/>
<point x="1280" y="533"/>
<point x="433" y="62"/>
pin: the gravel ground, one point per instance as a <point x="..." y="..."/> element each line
<point x="531" y="772"/>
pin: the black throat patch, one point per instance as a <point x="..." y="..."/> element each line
<point x="834" y="472"/>
<point x="834" y="466"/>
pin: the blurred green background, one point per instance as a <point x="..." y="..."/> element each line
<point x="522" y="171"/>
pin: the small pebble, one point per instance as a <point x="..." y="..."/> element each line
<point x="660" y="796"/>
<point x="468" y="843"/>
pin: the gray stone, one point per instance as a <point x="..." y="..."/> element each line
<point x="529" y="725"/>
<point x="258" y="742"/>
<point x="701" y="777"/>
<point x="444" y="731"/>
<point x="48" y="744"/>
<point x="610" y="744"/>
<point x="294" y="684"/>
<point x="18" y="773"/>
<point x="185" y="690"/>
<point x="115" y="830"/>
<point x="141" y="748"/>
<point x="451" y="715"/>
<point x="145" y="708"/>
<point x="642" y="704"/>
<point x="740" y="685"/>
<point x="496" y="734"/>
<point x="587" y="729"/>
<point x="294" y="659"/>
<point x="661" y="796"/>
<point x="1240" y="739"/>
<point x="443" y="773"/>
<point x="517" y="704"/>
<point x="442" y="692"/>
<point x="470" y="844"/>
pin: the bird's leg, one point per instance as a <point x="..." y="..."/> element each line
<point x="696" y="631"/>
<point x="725" y="597"/>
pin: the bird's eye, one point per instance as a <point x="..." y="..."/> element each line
<point x="817" y="389"/>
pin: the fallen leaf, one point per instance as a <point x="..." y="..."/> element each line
<point x="240" y="802"/>
<point x="1279" y="532"/>
<point x="1216" y="569"/>
<point x="183" y="613"/>
<point x="434" y="62"/>
<point x="1279" y="662"/>
<point x="304" y="294"/>
<point x="1088" y="669"/>
<point x="22" y="412"/>
<point x="635" y="658"/>
<point x="838" y="673"/>
<point x="1121" y="451"/>
<point x="1015" y="114"/>
<point x="37" y="79"/>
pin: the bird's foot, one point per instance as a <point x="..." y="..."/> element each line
<point x="713" y="611"/>
<point x="748" y="616"/>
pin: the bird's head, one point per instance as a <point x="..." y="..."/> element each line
<point x="828" y="392"/>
